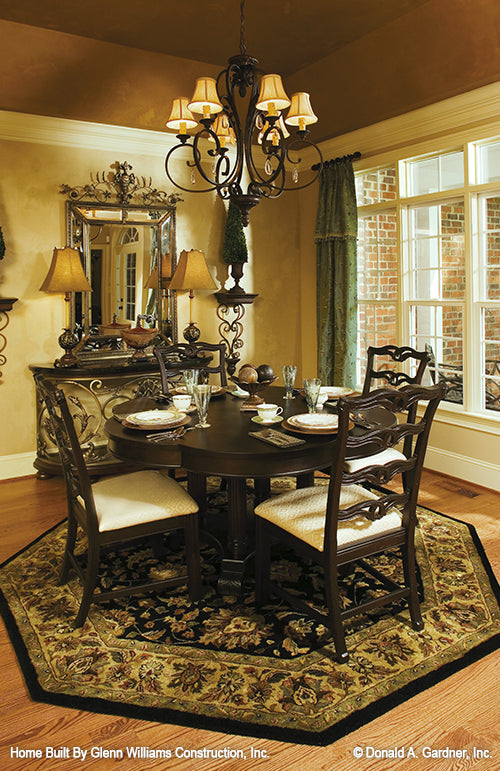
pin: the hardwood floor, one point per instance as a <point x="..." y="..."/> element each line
<point x="460" y="713"/>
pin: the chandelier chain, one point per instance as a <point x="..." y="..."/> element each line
<point x="243" y="48"/>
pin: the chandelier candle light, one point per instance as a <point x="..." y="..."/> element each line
<point x="257" y="146"/>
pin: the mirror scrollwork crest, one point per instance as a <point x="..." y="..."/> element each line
<point x="125" y="231"/>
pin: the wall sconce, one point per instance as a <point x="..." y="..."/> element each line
<point x="192" y="273"/>
<point x="65" y="276"/>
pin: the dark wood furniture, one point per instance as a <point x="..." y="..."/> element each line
<point x="343" y="522"/>
<point x="390" y="376"/>
<point x="197" y="355"/>
<point x="117" y="510"/>
<point x="226" y="449"/>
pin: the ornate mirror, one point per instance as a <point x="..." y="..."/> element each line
<point x="125" y="231"/>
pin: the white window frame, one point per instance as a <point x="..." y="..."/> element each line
<point x="470" y="413"/>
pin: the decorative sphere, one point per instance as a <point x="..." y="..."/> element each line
<point x="265" y="372"/>
<point x="248" y="374"/>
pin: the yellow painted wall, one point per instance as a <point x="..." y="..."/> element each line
<point x="32" y="217"/>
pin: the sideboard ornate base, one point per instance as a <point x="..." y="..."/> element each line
<point x="92" y="392"/>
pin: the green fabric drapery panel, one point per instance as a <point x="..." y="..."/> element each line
<point x="336" y="273"/>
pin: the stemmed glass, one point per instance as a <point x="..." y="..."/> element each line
<point x="289" y="371"/>
<point x="191" y="379"/>
<point x="202" y="394"/>
<point x="311" y="391"/>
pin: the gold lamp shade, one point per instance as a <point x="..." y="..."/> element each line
<point x="166" y="274"/>
<point x="192" y="272"/>
<point x="223" y="129"/>
<point x="300" y="113"/>
<point x="181" y="118"/>
<point x="66" y="273"/>
<point x="272" y="95"/>
<point x="205" y="98"/>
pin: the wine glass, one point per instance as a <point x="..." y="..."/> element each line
<point x="202" y="394"/>
<point x="289" y="371"/>
<point x="190" y="380"/>
<point x="311" y="391"/>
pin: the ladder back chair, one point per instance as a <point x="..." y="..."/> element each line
<point x="342" y="522"/>
<point x="117" y="509"/>
<point x="197" y="355"/>
<point x="393" y="377"/>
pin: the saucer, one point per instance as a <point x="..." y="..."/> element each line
<point x="276" y="419"/>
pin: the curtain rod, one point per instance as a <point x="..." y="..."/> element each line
<point x="351" y="157"/>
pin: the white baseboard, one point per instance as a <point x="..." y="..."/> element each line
<point x="460" y="466"/>
<point x="21" y="465"/>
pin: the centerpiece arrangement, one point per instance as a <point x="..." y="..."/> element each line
<point x="254" y="380"/>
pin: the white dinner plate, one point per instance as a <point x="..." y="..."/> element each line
<point x="153" y="417"/>
<point x="215" y="390"/>
<point x="335" y="392"/>
<point x="315" y="420"/>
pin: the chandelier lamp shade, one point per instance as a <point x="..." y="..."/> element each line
<point x="242" y="113"/>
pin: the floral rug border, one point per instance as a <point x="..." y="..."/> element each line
<point x="202" y="716"/>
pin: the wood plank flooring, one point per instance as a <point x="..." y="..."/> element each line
<point x="460" y="713"/>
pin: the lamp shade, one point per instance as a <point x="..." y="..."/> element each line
<point x="66" y="273"/>
<point x="166" y="274"/>
<point x="272" y="95"/>
<point x="300" y="113"/>
<point x="181" y="117"/>
<point x="205" y="98"/>
<point x="192" y="272"/>
<point x="223" y="129"/>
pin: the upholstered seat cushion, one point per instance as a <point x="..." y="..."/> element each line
<point x="379" y="459"/>
<point x="143" y="496"/>
<point x="303" y="512"/>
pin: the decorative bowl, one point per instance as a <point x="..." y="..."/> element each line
<point x="253" y="389"/>
<point x="139" y="338"/>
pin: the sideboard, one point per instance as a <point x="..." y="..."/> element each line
<point x="92" y="390"/>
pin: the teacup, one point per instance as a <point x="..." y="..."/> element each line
<point x="267" y="412"/>
<point x="181" y="402"/>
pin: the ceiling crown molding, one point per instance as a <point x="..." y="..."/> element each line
<point x="475" y="113"/>
<point x="41" y="129"/>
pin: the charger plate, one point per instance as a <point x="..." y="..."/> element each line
<point x="215" y="390"/>
<point x="329" y="424"/>
<point x="182" y="421"/>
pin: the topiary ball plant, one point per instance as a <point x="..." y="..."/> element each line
<point x="235" y="244"/>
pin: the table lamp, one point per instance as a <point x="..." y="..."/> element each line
<point x="192" y="273"/>
<point x="66" y="275"/>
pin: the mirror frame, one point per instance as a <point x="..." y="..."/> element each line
<point x="139" y="203"/>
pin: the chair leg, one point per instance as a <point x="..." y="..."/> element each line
<point x="334" y="618"/>
<point x="410" y="575"/>
<point x="68" y="549"/>
<point x="262" y="561"/>
<point x="88" y="586"/>
<point x="192" y="538"/>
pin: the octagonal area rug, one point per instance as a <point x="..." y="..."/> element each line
<point x="229" y="665"/>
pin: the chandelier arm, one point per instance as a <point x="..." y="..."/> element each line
<point x="186" y="189"/>
<point x="319" y="165"/>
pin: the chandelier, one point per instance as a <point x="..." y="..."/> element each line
<point x="241" y="114"/>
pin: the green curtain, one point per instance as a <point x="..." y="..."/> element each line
<point x="336" y="271"/>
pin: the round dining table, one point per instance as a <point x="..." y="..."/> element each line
<point x="226" y="449"/>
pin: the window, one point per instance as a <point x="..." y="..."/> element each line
<point x="429" y="267"/>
